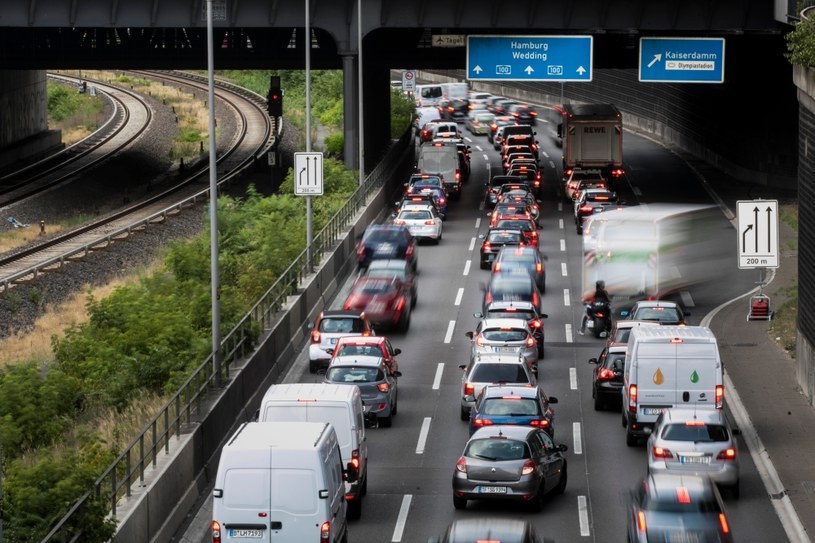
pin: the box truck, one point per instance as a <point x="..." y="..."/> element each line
<point x="591" y="136"/>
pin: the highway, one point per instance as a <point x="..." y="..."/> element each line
<point x="411" y="464"/>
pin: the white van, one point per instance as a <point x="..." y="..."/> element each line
<point x="441" y="158"/>
<point x="429" y="95"/>
<point x="280" y="482"/>
<point x="669" y="366"/>
<point x="341" y="405"/>
<point x="455" y="90"/>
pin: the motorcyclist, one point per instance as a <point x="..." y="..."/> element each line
<point x="600" y="295"/>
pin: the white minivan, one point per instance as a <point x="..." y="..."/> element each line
<point x="280" y="482"/>
<point x="341" y="405"/>
<point x="665" y="367"/>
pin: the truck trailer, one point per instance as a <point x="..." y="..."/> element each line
<point x="592" y="138"/>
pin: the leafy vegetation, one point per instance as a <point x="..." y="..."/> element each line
<point x="78" y="115"/>
<point x="801" y="43"/>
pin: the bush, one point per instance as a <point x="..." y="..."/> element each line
<point x="801" y="44"/>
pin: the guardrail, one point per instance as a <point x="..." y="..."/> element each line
<point x="129" y="468"/>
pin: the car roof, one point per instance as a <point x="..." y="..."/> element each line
<point x="356" y="340"/>
<point x="618" y="348"/>
<point x="507" y="430"/>
<point x="505" y="530"/>
<point x="507" y="230"/>
<point x="341" y="313"/>
<point x="495" y="391"/>
<point x="664" y="485"/>
<point x="623" y="324"/>
<point x="504" y="304"/>
<point x="499" y="358"/>
<point x="498" y="323"/>
<point x="390" y="263"/>
<point x="655" y="303"/>
<point x="357" y="360"/>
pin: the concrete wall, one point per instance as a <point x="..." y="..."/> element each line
<point x="24" y="116"/>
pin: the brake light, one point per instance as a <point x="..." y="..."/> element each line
<point x="659" y="452"/>
<point x="535" y="298"/>
<point x="400" y="303"/>
<point x="585" y="209"/>
<point x="497" y="267"/>
<point x="528" y="468"/>
<point x="488" y="298"/>
<point x="536" y="323"/>
<point x="469" y="389"/>
<point x="355" y="458"/>
<point x="719" y="396"/>
<point x="325" y="531"/>
<point x="398" y="221"/>
<point x="599" y="314"/>
<point x="617" y="172"/>
<point x="486" y="246"/>
<point x="539" y="267"/>
<point x="383" y="387"/>
<point x="479" y="340"/>
<point x="682" y="495"/>
<point x="539" y="423"/>
<point x="632" y="398"/>
<point x="727" y="454"/>
<point x="361" y="250"/>
<point x="482" y="422"/>
<point x="533" y="113"/>
<point x="530" y="341"/>
<point x="315" y="337"/>
<point x="723" y="523"/>
<point x="441" y="201"/>
<point x="641" y="521"/>
<point x="458" y="175"/>
<point x="409" y="251"/>
<point x="216" y="531"/>
<point x="461" y="465"/>
<point x="605" y="374"/>
<point x="429" y="222"/>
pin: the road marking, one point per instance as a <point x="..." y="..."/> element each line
<point x="569" y="338"/>
<point x="472" y="244"/>
<point x="437" y="378"/>
<point x="545" y="154"/>
<point x="560" y="207"/>
<point x="449" y="335"/>
<point x="583" y="515"/>
<point x="636" y="190"/>
<point x="551" y="164"/>
<point x="560" y="224"/>
<point x="467" y="267"/>
<point x="563" y="245"/>
<point x="566" y="299"/>
<point x="459" y="295"/>
<point x="578" y="438"/>
<point x="481" y="206"/>
<point x="423" y="433"/>
<point x="401" y="520"/>
<point x="687" y="299"/>
<point x="563" y="271"/>
<point x="478" y="148"/>
<point x="478" y="223"/>
<point x="485" y="156"/>
<point x="573" y="378"/>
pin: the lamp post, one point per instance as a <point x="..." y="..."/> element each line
<point x="361" y="130"/>
<point x="308" y="132"/>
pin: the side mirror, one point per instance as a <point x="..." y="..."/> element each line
<point x="480" y="236"/>
<point x="397" y="351"/>
<point x="310" y="326"/>
<point x="397" y="374"/>
<point x="478" y="315"/>
<point x="462" y="366"/>
<point x="552" y="399"/>
<point x="544" y="315"/>
<point x="562" y="447"/>
<point x="592" y="361"/>
<point x="469" y="334"/>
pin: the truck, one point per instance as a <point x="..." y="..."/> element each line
<point x="651" y="251"/>
<point x="591" y="137"/>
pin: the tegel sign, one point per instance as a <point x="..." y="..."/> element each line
<point x="529" y="58"/>
<point x="682" y="60"/>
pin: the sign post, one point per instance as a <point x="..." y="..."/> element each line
<point x="681" y="60"/>
<point x="757" y="233"/>
<point x="529" y="58"/>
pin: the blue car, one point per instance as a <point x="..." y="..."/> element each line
<point x="439" y="196"/>
<point x="513" y="405"/>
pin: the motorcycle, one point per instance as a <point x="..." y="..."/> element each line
<point x="598" y="315"/>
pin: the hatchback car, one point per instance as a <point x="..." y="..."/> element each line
<point x="669" y="507"/>
<point x="481" y="528"/>
<point x="506" y="286"/>
<point x="661" y="311"/>
<point x="367" y="346"/>
<point x="400" y="269"/>
<point x="386" y="241"/>
<point x="524" y="114"/>
<point x="607" y="377"/>
<point x="523" y="223"/>
<point x="327" y="330"/>
<point x="491" y="368"/>
<point x="494" y="240"/>
<point x="385" y="301"/>
<point x="572" y="178"/>
<point x="422" y="222"/>
<point x="479" y="121"/>
<point x="504" y="336"/>
<point x="503" y="210"/>
<point x="695" y="441"/>
<point x="525" y="259"/>
<point x="376" y="382"/>
<point x="622" y="329"/>
<point x="509" y="463"/>
<point x="518" y="309"/>
<point x="591" y="202"/>
<point x="494" y="187"/>
<point x="518" y="406"/>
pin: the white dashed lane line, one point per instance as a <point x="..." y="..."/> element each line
<point x="467" y="265"/>
<point x="566" y="299"/>
<point x="437" y="378"/>
<point x="459" y="295"/>
<point x="578" y="438"/>
<point x="401" y="520"/>
<point x="448" y="337"/>
<point x="583" y="515"/>
<point x="423" y="433"/>
<point x="569" y="337"/>
<point x="472" y="244"/>
<point x="560" y="223"/>
<point x="573" y="378"/>
<point x="563" y="245"/>
<point x="563" y="270"/>
<point x="478" y="223"/>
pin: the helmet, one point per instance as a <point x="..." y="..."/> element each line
<point x="600" y="285"/>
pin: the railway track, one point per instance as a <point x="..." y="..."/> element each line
<point x="254" y="135"/>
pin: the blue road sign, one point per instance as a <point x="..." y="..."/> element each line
<point x="529" y="58"/>
<point x="682" y="60"/>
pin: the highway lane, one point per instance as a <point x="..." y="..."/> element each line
<point x="411" y="464"/>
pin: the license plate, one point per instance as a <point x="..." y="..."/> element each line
<point x="652" y="410"/>
<point x="246" y="533"/>
<point x="694" y="459"/>
<point x="492" y="490"/>
<point x="505" y="349"/>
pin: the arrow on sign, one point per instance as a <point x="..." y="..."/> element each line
<point x="755" y="221"/>
<point x="529" y="70"/>
<point x="581" y="70"/>
<point x="478" y="69"/>
<point x="657" y="58"/>
<point x="769" y="228"/>
<point x="744" y="238"/>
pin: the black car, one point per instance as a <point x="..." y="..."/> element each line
<point x="518" y="309"/>
<point x="523" y="259"/>
<point x="494" y="240"/>
<point x="481" y="528"/>
<point x="455" y="109"/>
<point x="494" y="187"/>
<point x="607" y="378"/>
<point x="593" y="201"/>
<point x="386" y="241"/>
<point x="512" y="286"/>
<point x="524" y="114"/>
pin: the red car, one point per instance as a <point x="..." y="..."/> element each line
<point x="385" y="300"/>
<point x="368" y="346"/>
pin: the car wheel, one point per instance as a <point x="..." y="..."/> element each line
<point x="536" y="504"/>
<point x="459" y="503"/>
<point x="312" y="366"/>
<point x="355" y="508"/>
<point x="413" y="300"/>
<point x="599" y="404"/>
<point x="630" y="439"/>
<point x="395" y="407"/>
<point x="543" y="285"/>
<point x="735" y="490"/>
<point x="387" y="422"/>
<point x="561" y="484"/>
<point x="540" y="352"/>
<point x="579" y="230"/>
<point x="485" y="265"/>
<point x="465" y="413"/>
<point x="364" y="488"/>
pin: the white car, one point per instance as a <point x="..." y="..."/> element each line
<point x="422" y="221"/>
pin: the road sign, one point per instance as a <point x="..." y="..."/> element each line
<point x="409" y="81"/>
<point x="447" y="40"/>
<point x="308" y="174"/>
<point x="529" y="58"/>
<point x="682" y="60"/>
<point x="757" y="233"/>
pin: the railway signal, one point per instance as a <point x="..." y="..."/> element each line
<point x="275" y="102"/>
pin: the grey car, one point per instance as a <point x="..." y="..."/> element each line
<point x="509" y="463"/>
<point x="375" y="381"/>
<point x="505" y="530"/>
<point x="511" y="336"/>
<point x="696" y="441"/>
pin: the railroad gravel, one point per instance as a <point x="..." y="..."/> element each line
<point x="141" y="170"/>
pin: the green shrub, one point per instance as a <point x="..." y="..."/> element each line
<point x="801" y="43"/>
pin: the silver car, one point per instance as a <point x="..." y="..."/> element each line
<point x="491" y="368"/>
<point x="510" y="336"/>
<point x="695" y="441"/>
<point x="375" y="381"/>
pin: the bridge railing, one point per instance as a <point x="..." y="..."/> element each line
<point x="129" y="468"/>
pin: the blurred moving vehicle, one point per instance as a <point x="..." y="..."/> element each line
<point x="422" y="222"/>
<point x="400" y="269"/>
<point x="518" y="309"/>
<point x="486" y="529"/>
<point x="494" y="187"/>
<point x="668" y="507"/>
<point x="525" y="259"/>
<point x="385" y="301"/>
<point x="376" y="382"/>
<point x="328" y="328"/>
<point x="506" y="287"/>
<point x="514" y="405"/>
<point x="622" y="329"/>
<point x="509" y="463"/>
<point x="386" y="241"/>
<point x="494" y="240"/>
<point x="591" y="202"/>
<point x="479" y="121"/>
<point x="660" y="311"/>
<point x="607" y="377"/>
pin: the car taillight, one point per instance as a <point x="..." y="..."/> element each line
<point x="535" y="298"/>
<point x="355" y="458"/>
<point x="585" y="209"/>
<point x="482" y="422"/>
<point x="617" y="172"/>
<point x="488" y="298"/>
<point x="400" y="303"/>
<point x="431" y="223"/>
<point x="599" y="314"/>
<point x="536" y="323"/>
<point x="539" y="423"/>
<point x="486" y="246"/>
<point x="727" y="454"/>
<point x="479" y="340"/>
<point x="458" y="175"/>
<point x="719" y="396"/>
<point x="409" y="251"/>
<point x="530" y="341"/>
<point x="539" y="267"/>
<point x="469" y="389"/>
<point x="461" y="465"/>
<point x="383" y="387"/>
<point x="528" y="468"/>
<point x="216" y="531"/>
<point x="723" y="523"/>
<point x="441" y="201"/>
<point x="632" y="398"/>
<point x="641" y="522"/>
<point x="325" y="531"/>
<point x="398" y="221"/>
<point x="659" y="452"/>
<point x="533" y="113"/>
<point x="315" y="337"/>
<point x="360" y="250"/>
<point x="605" y="374"/>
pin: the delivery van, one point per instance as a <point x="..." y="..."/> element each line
<point x="341" y="405"/>
<point x="280" y="482"/>
<point x="441" y="158"/>
<point x="429" y="95"/>
<point x="669" y="366"/>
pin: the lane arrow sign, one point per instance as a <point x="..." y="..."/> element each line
<point x="529" y="70"/>
<point x="581" y="70"/>
<point x="657" y="58"/>
<point x="478" y="69"/>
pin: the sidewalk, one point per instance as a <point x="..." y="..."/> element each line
<point x="763" y="376"/>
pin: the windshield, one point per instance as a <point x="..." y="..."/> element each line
<point x="497" y="449"/>
<point x="502" y="334"/>
<point x="516" y="406"/>
<point x="341" y="325"/>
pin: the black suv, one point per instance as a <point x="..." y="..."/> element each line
<point x="386" y="241"/>
<point x="494" y="240"/>
<point x="494" y="187"/>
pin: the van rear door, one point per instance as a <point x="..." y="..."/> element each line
<point x="656" y="378"/>
<point x="295" y="506"/>
<point x="246" y="505"/>
<point x="698" y="371"/>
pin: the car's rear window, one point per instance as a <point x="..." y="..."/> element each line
<point x="601" y="197"/>
<point x="704" y="433"/>
<point x="503" y="313"/>
<point x="516" y="407"/>
<point x="497" y="449"/>
<point x="503" y="237"/>
<point x="341" y="325"/>
<point x="415" y="215"/>
<point x="502" y="334"/>
<point x="344" y="374"/>
<point x="525" y="257"/>
<point x="384" y="234"/>
<point x="348" y="349"/>
<point x="495" y="372"/>
<point x="524" y="226"/>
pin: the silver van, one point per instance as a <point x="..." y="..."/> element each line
<point x="441" y="158"/>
